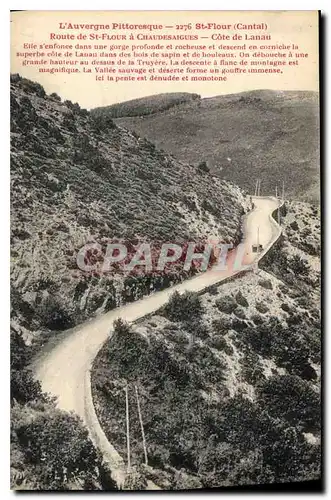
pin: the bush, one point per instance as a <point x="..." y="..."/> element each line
<point x="226" y="304"/>
<point x="135" y="481"/>
<point x="308" y="372"/>
<point x="294" y="226"/>
<point x="241" y="299"/>
<point x="15" y="78"/>
<point x="59" y="443"/>
<point x="221" y="326"/>
<point x="285" y="307"/>
<point x="298" y="266"/>
<point x="252" y="369"/>
<point x="294" y="319"/>
<point x="213" y="290"/>
<point x="258" y="320"/>
<point x="102" y="123"/>
<point x="32" y="87"/>
<point x="240" y="313"/>
<point x="203" y="167"/>
<point x="261" y="307"/>
<point x="265" y="284"/>
<point x="238" y="325"/>
<point x="183" y="307"/>
<point x="53" y="315"/>
<point x="55" y="96"/>
<point x="23" y="388"/>
<point x="293" y="399"/>
<point x="219" y="343"/>
<point x="69" y="122"/>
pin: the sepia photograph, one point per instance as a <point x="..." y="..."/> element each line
<point x="165" y="224"/>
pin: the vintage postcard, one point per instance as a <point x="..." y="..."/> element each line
<point x="165" y="250"/>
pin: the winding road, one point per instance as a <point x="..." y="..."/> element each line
<point x="63" y="367"/>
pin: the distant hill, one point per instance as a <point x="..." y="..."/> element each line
<point x="273" y="135"/>
<point x="147" y="105"/>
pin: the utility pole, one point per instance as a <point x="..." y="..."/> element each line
<point x="127" y="426"/>
<point x="283" y="192"/>
<point x="257" y="182"/>
<point x="278" y="216"/>
<point x="276" y="192"/>
<point x="259" y="188"/>
<point x="141" y="426"/>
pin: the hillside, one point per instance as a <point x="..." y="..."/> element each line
<point x="77" y="179"/>
<point x="258" y="134"/>
<point x="229" y="381"/>
<point x="148" y="105"/>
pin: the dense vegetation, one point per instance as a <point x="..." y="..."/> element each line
<point x="262" y="134"/>
<point x="213" y="414"/>
<point x="229" y="380"/>
<point x="78" y="178"/>
<point x="50" y="449"/>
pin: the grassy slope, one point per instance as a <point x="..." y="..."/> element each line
<point x="267" y="134"/>
<point x="77" y="179"/>
<point x="229" y="394"/>
<point x="147" y="105"/>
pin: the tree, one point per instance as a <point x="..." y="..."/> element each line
<point x="58" y="444"/>
<point x="23" y="388"/>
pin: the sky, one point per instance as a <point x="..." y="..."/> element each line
<point x="299" y="27"/>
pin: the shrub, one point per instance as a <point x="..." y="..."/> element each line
<point x="238" y="325"/>
<point x="226" y="304"/>
<point x="102" y="123"/>
<point x="298" y="266"/>
<point x="19" y="352"/>
<point x="258" y="320"/>
<point x="183" y="307"/>
<point x="203" y="167"/>
<point x="121" y="328"/>
<point x="84" y="112"/>
<point x="261" y="307"/>
<point x="219" y="343"/>
<point x="135" y="481"/>
<point x="308" y="372"/>
<point x="15" y="78"/>
<point x="294" y="226"/>
<point x="283" y="289"/>
<point x="285" y="307"/>
<point x="69" y="122"/>
<point x="240" y="313"/>
<point x="32" y="87"/>
<point x="292" y="398"/>
<point x="213" y="290"/>
<point x="251" y="369"/>
<point x="68" y="103"/>
<point x="294" y="319"/>
<point x="265" y="284"/>
<point x="53" y="314"/>
<point x="55" y="96"/>
<point x="221" y="326"/>
<point x="59" y="443"/>
<point x="23" y="388"/>
<point x="241" y="299"/>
